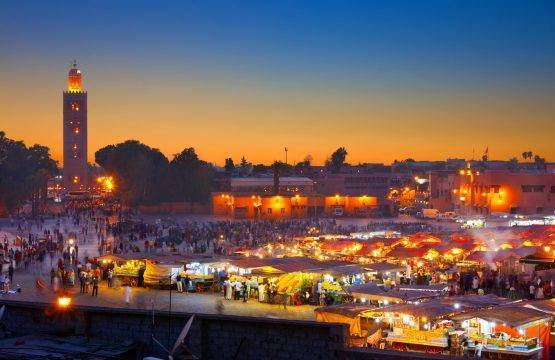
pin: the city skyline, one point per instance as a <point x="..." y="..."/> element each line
<point x="249" y="79"/>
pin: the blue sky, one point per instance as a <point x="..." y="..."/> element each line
<point x="304" y="55"/>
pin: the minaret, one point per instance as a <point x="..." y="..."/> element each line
<point x="76" y="175"/>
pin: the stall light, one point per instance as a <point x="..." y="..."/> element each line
<point x="464" y="324"/>
<point x="457" y="306"/>
<point x="363" y="300"/>
<point x="386" y="302"/>
<point x="521" y="332"/>
<point x="504" y="324"/>
<point x="426" y="326"/>
<point x="378" y="320"/>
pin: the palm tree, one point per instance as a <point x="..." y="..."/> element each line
<point x="527" y="155"/>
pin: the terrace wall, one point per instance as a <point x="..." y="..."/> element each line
<point x="211" y="336"/>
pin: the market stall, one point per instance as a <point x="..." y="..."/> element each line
<point x="161" y="274"/>
<point x="427" y="326"/>
<point x="508" y="332"/>
<point x="360" y="326"/>
<point x="129" y="271"/>
<point x="388" y="273"/>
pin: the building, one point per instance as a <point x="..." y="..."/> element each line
<point x="286" y="197"/>
<point x="75" y="172"/>
<point x="265" y="185"/>
<point x="442" y="185"/>
<point x="275" y="207"/>
<point x="469" y="191"/>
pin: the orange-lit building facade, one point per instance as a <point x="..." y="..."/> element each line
<point x="298" y="206"/>
<point x="75" y="172"/>
<point x="470" y="191"/>
<point x="290" y="197"/>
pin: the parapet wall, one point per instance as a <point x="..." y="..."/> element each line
<point x="211" y="336"/>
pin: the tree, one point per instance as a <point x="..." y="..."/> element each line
<point x="190" y="178"/>
<point x="304" y="165"/>
<point x="527" y="155"/>
<point x="140" y="172"/>
<point x="540" y="162"/>
<point x="338" y="159"/>
<point x="24" y="173"/>
<point x="245" y="167"/>
<point x="229" y="166"/>
<point x="512" y="164"/>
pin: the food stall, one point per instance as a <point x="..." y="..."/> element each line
<point x="388" y="273"/>
<point x="360" y="325"/>
<point x="205" y="274"/>
<point x="128" y="271"/>
<point x="427" y="326"/>
<point x="508" y="332"/>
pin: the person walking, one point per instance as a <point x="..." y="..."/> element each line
<point x="95" y="286"/>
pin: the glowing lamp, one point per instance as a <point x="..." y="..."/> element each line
<point x="64" y="301"/>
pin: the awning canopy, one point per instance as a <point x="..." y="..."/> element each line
<point x="447" y="306"/>
<point x="512" y="315"/>
<point x="384" y="267"/>
<point x="373" y="292"/>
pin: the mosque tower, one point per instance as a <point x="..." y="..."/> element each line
<point x="76" y="174"/>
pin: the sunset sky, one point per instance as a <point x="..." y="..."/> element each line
<point x="386" y="79"/>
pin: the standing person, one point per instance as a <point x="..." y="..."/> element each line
<point x="187" y="284"/>
<point x="110" y="276"/>
<point x="261" y="292"/>
<point x="475" y="284"/>
<point x="228" y="290"/>
<point x="478" y="349"/>
<point x="95" y="286"/>
<point x="532" y="293"/>
<point x="127" y="293"/>
<point x="179" y="283"/>
<point x="82" y="281"/>
<point x="238" y="288"/>
<point x="10" y="272"/>
<point x="245" y="291"/>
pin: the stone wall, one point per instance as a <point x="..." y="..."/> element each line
<point x="211" y="336"/>
<point x="176" y="208"/>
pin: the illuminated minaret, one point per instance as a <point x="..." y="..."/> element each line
<point x="76" y="175"/>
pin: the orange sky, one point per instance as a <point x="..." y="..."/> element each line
<point x="239" y="117"/>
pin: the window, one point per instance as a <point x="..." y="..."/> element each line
<point x="74" y="106"/>
<point x="282" y="211"/>
<point x="533" y="188"/>
<point x="269" y="211"/>
<point x="553" y="189"/>
<point x="539" y="210"/>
